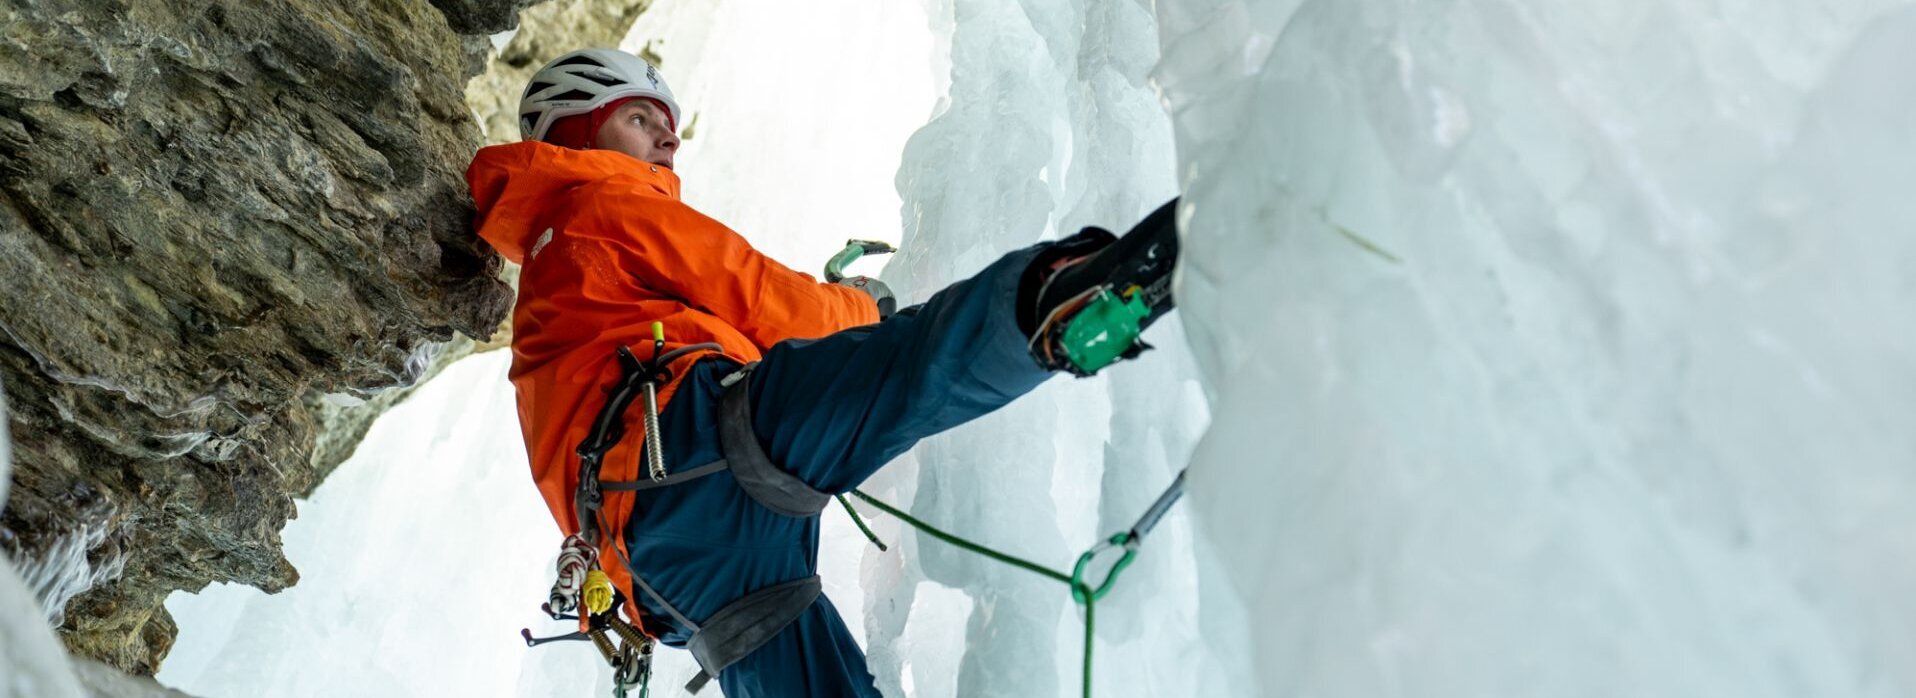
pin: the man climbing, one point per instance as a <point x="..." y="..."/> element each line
<point x="791" y="390"/>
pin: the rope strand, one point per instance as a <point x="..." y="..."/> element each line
<point x="1081" y="591"/>
<point x="935" y="532"/>
<point x="860" y="520"/>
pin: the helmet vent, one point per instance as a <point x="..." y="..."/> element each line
<point x="534" y="88"/>
<point x="572" y="95"/>
<point x="579" y="60"/>
<point x="605" y="80"/>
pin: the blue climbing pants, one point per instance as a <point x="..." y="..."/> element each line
<point x="830" y="411"/>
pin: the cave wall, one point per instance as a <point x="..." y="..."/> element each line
<point x="212" y="212"/>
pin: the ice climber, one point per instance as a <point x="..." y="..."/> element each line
<point x="803" y="389"/>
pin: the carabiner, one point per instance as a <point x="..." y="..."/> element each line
<point x="1083" y="592"/>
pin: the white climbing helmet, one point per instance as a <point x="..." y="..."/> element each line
<point x="583" y="80"/>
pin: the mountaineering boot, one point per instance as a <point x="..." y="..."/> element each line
<point x="1084" y="301"/>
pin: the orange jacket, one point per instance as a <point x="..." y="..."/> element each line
<point x="607" y="248"/>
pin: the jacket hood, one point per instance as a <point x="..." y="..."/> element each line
<point x="518" y="185"/>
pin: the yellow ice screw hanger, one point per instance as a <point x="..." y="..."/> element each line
<point x="654" y="447"/>
<point x="598" y="592"/>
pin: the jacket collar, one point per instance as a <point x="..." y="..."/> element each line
<point x="517" y="184"/>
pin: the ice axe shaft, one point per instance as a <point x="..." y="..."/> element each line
<point x="1158" y="509"/>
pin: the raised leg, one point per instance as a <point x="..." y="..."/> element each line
<point x="835" y="409"/>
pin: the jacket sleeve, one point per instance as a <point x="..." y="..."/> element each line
<point x="684" y="253"/>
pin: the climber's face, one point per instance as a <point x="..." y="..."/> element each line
<point x="639" y="128"/>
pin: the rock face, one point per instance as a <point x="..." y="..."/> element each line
<point x="545" y="31"/>
<point x="480" y="16"/>
<point x="210" y="212"/>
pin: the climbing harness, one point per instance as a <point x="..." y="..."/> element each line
<point x="745" y="624"/>
<point x="738" y="628"/>
<point x="636" y="378"/>
<point x="1083" y="591"/>
<point x="582" y="592"/>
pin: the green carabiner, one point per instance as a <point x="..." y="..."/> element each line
<point x="1084" y="593"/>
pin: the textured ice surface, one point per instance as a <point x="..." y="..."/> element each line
<point x="1047" y="125"/>
<point x="1621" y="404"/>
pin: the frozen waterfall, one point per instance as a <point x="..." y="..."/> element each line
<point x="1555" y="348"/>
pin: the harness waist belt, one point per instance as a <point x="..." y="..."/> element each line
<point x="774" y="488"/>
<point x="742" y="626"/>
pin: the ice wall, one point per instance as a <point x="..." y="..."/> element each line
<point x="1557" y="348"/>
<point x="1047" y="124"/>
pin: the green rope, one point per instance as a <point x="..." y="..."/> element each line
<point x="860" y="520"/>
<point x="935" y="532"/>
<point x="1081" y="591"/>
<point x="1090" y="633"/>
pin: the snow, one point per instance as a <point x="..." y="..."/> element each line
<point x="1547" y="348"/>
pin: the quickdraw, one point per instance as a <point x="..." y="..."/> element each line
<point x="630" y="657"/>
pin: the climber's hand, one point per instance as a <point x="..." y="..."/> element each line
<point x="880" y="293"/>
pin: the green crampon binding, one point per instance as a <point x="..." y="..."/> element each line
<point x="1105" y="330"/>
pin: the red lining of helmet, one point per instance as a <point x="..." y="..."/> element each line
<point x="579" y="130"/>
